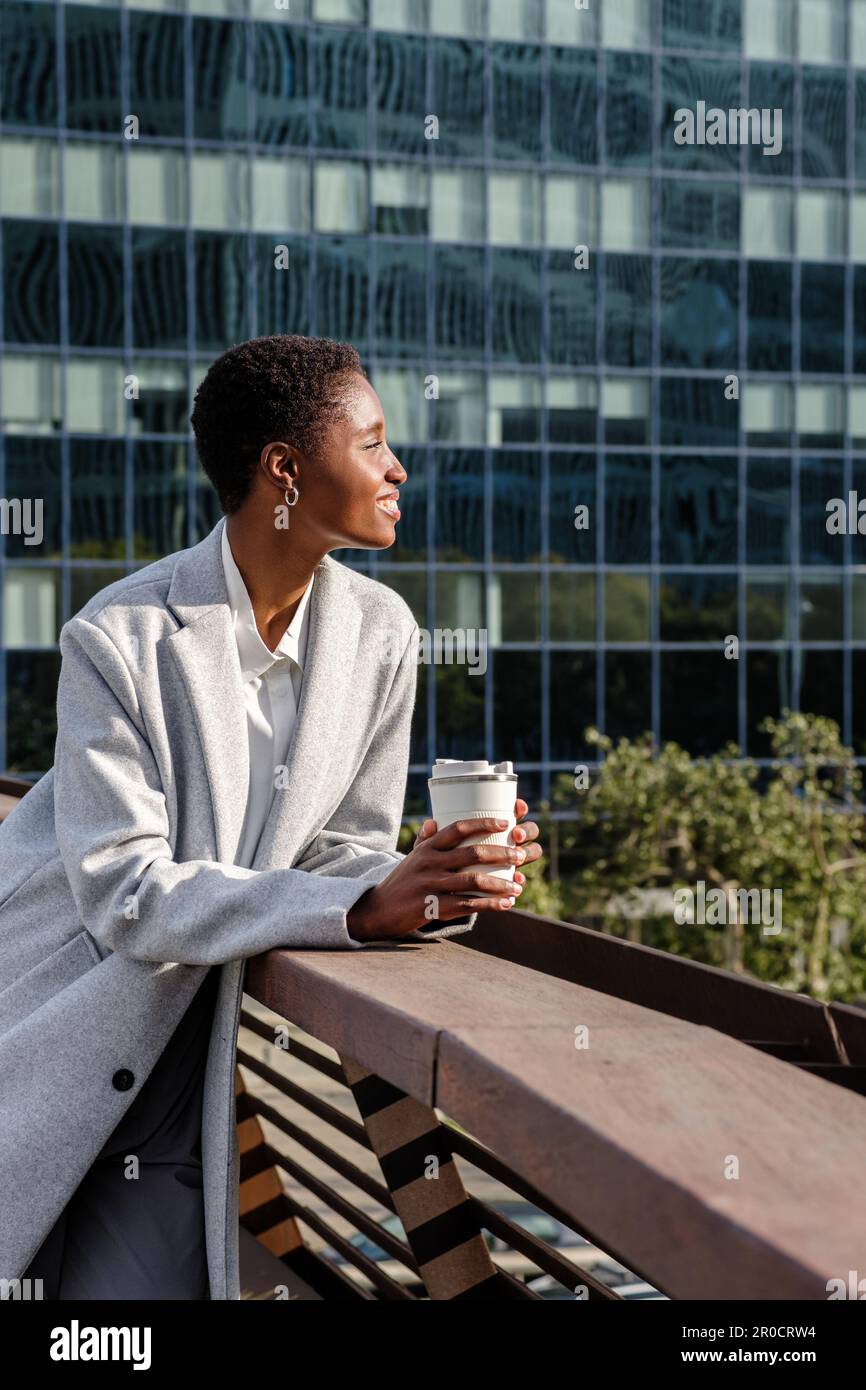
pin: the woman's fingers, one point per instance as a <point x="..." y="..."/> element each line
<point x="457" y="906"/>
<point x="527" y="831"/>
<point x="427" y="829"/>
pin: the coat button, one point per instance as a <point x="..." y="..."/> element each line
<point x="123" y="1079"/>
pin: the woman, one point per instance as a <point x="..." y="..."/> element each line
<point x="231" y="758"/>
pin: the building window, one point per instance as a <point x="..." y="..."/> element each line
<point x="28" y="178"/>
<point x="625" y="214"/>
<point x="398" y="14"/>
<point x="340" y="197"/>
<point x="457" y="205"/>
<point x="156" y="192"/>
<point x="514" y="209"/>
<point x="820" y="224"/>
<point x="768" y="221"/>
<point x="400" y="205"/>
<point x="822" y="31"/>
<point x="281" y="194"/>
<point x="219" y="191"/>
<point x="571" y="211"/>
<point x="465" y="17"/>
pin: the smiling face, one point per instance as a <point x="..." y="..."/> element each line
<point x="349" y="483"/>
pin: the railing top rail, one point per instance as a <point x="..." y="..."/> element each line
<point x="749" y="1009"/>
<point x="715" y="1170"/>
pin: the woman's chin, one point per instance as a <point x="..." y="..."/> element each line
<point x="377" y="538"/>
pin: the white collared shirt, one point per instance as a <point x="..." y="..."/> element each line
<point x="272" y="691"/>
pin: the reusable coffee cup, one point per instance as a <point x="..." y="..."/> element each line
<point x="469" y="790"/>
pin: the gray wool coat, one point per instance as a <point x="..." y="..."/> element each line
<point x="117" y="882"/>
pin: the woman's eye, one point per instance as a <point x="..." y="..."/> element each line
<point x="376" y="445"/>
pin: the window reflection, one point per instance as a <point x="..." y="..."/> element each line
<point x="818" y="684"/>
<point x="280" y="89"/>
<point x="29" y="394"/>
<point x="573" y="105"/>
<point x="572" y="409"/>
<point x="572" y="703"/>
<point x="516" y="293"/>
<point x="159" y="499"/>
<point x="572" y="499"/>
<point x="459" y="711"/>
<point x="517" y="702"/>
<point x="459" y="505"/>
<point x="694" y="411"/>
<point x="702" y="215"/>
<point x="768" y="692"/>
<point x="627" y="694"/>
<point x="698" y="506"/>
<point x="458" y="414"/>
<point x="628" y="310"/>
<point x="31" y="607"/>
<point x="822" y="316"/>
<point x="571" y="607"/>
<point x="514" y="409"/>
<point x="516" y="101"/>
<point x="516" y="506"/>
<point x="97" y="486"/>
<point x="698" y="700"/>
<point x="459" y="600"/>
<point x="401" y="298"/>
<point x="821" y="608"/>
<point x="770" y="314"/>
<point x="399" y="200"/>
<point x="31" y="282"/>
<point x="340" y="117"/>
<point x="626" y="509"/>
<point x="460" y="301"/>
<point x="625" y="408"/>
<point x="457" y="75"/>
<point x="768" y="414"/>
<point x="572" y="311"/>
<point x="768" y="504"/>
<point x="31" y="719"/>
<point x="768" y="607"/>
<point x="699" y="312"/>
<point x="514" y="607"/>
<point x="32" y="474"/>
<point x="697" y="606"/>
<point x="626" y="607"/>
<point x="95" y="269"/>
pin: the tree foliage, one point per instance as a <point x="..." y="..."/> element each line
<point x="656" y="819"/>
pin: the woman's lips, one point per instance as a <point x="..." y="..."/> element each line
<point x="389" y="506"/>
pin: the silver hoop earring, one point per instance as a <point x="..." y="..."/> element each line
<point x="297" y="495"/>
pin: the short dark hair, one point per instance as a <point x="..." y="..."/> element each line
<point x="277" y="388"/>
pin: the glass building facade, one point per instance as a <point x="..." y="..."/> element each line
<point x="625" y="375"/>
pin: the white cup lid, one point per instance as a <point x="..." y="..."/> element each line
<point x="454" y="767"/>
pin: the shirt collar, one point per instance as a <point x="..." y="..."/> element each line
<point x="255" y="656"/>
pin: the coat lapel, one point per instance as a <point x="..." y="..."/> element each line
<point x="205" y="651"/>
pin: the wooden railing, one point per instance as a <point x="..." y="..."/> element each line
<point x="676" y="1118"/>
<point x="537" y="1109"/>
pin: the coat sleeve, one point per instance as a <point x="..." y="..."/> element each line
<point x="359" y="839"/>
<point x="113" y="832"/>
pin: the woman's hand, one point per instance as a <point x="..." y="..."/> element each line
<point x="520" y="835"/>
<point x="442" y="867"/>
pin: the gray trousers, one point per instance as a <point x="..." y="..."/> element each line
<point x="142" y="1236"/>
